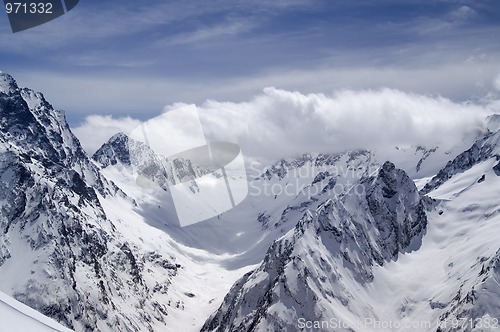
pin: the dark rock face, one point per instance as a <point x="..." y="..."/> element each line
<point x="137" y="155"/>
<point x="483" y="149"/>
<point x="342" y="239"/>
<point x="396" y="227"/>
<point x="475" y="302"/>
<point x="425" y="154"/>
<point x="283" y="167"/>
<point x="116" y="150"/>
<point x="76" y="267"/>
<point x="496" y="169"/>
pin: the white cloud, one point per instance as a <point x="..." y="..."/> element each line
<point x="281" y="123"/>
<point x="97" y="129"/>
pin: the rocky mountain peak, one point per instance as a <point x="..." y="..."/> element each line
<point x="30" y="123"/>
<point x="330" y="248"/>
<point x="115" y="150"/>
<point x="141" y="158"/>
<point x="77" y="265"/>
<point x="119" y="137"/>
<point x="32" y="128"/>
<point x="483" y="149"/>
<point x="391" y="180"/>
<point x="7" y="84"/>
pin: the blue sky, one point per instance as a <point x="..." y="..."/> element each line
<point x="135" y="57"/>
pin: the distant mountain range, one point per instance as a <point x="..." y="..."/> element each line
<point x="353" y="241"/>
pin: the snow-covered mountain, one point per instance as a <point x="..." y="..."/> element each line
<point x="487" y="147"/>
<point x="17" y="317"/>
<point x="60" y="253"/>
<point x="438" y="272"/>
<point x="94" y="244"/>
<point x="124" y="150"/>
<point x="278" y="195"/>
<point x="313" y="271"/>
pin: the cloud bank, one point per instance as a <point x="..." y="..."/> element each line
<point x="280" y="123"/>
<point x="97" y="129"/>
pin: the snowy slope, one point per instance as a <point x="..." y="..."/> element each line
<point x="278" y="196"/>
<point x="319" y="235"/>
<point x="281" y="196"/>
<point x="448" y="280"/>
<point x="76" y="248"/>
<point x="316" y="270"/>
<point x="454" y="276"/>
<point x="60" y="253"/>
<point x="17" y="317"/>
<point x="485" y="148"/>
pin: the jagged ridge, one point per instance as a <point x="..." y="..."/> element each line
<point x="59" y="252"/>
<point x="304" y="272"/>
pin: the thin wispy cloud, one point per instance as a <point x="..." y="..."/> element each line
<point x="80" y="94"/>
<point x="449" y="22"/>
<point x="209" y="33"/>
<point x="463" y="13"/>
<point x="135" y="57"/>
